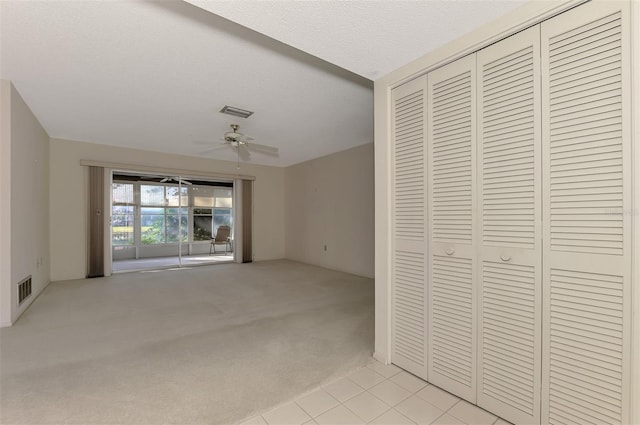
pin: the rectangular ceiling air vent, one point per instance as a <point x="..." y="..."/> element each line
<point x="24" y="289"/>
<point x="237" y="112"/>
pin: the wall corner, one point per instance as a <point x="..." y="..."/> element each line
<point x="5" y="207"/>
<point x="382" y="96"/>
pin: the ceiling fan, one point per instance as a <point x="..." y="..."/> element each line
<point x="178" y="180"/>
<point x="160" y="179"/>
<point x="243" y="145"/>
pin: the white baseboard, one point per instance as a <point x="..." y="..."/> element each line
<point x="5" y="324"/>
<point x="382" y="359"/>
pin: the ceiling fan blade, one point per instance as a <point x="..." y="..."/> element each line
<point x="205" y="142"/>
<point x="243" y="152"/>
<point x="267" y="150"/>
<point x="176" y="180"/>
<point x="214" y="148"/>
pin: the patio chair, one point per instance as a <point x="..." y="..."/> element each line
<point x="222" y="236"/>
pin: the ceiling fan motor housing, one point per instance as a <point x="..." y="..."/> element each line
<point x="233" y="137"/>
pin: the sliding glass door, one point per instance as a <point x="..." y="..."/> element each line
<point x="164" y="222"/>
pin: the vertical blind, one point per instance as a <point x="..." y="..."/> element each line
<point x="96" y="222"/>
<point x="247" y="221"/>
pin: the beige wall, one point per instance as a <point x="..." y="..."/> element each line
<point x="25" y="199"/>
<point x="68" y="185"/>
<point x="5" y="205"/>
<point x="330" y="201"/>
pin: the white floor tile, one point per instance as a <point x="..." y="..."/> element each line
<point x="439" y="398"/>
<point x="386" y="370"/>
<point x="366" y="406"/>
<point x="419" y="410"/>
<point x="408" y="381"/>
<point x="344" y="389"/>
<point x="339" y="415"/>
<point x="392" y="417"/>
<point x="389" y="392"/>
<point x="366" y="377"/>
<point x="288" y="414"/>
<point x="447" y="420"/>
<point x="368" y="396"/>
<point x="255" y="421"/>
<point x="317" y="402"/>
<point x="470" y="414"/>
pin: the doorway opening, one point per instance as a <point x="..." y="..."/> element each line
<point x="170" y="221"/>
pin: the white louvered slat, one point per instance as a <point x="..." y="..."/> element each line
<point x="509" y="189"/>
<point x="408" y="308"/>
<point x="585" y="360"/>
<point x="573" y="71"/>
<point x="451" y="195"/>
<point x="451" y="159"/>
<point x="505" y="156"/>
<point x="586" y="173"/>
<point x="452" y="326"/>
<point x="409" y="167"/>
<point x="509" y="321"/>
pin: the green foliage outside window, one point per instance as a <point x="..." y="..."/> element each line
<point x="157" y="222"/>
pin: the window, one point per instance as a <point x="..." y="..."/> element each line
<point x="217" y="203"/>
<point x="221" y="216"/>
<point x="152" y="225"/>
<point x="223" y="197"/>
<point x="173" y="231"/>
<point x="152" y="195"/>
<point x="158" y="220"/>
<point x="122" y="214"/>
<point x="202" y="224"/>
<point x="146" y="213"/>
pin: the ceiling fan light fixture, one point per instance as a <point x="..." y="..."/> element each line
<point x="236" y="112"/>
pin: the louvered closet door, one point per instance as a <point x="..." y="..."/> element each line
<point x="451" y="178"/>
<point x="408" y="309"/>
<point x="587" y="204"/>
<point x="509" y="255"/>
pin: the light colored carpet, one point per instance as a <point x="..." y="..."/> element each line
<point x="207" y="345"/>
<point x="170" y="262"/>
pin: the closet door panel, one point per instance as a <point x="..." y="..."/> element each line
<point x="408" y="297"/>
<point x="587" y="197"/>
<point x="451" y="195"/>
<point x="510" y="298"/>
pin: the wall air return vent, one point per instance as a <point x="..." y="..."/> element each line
<point x="24" y="289"/>
<point x="236" y="112"/>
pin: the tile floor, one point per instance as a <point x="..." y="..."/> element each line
<point x="379" y="395"/>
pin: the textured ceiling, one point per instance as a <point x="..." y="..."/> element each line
<point x="368" y="37"/>
<point x="154" y="74"/>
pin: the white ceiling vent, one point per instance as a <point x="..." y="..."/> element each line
<point x="237" y="112"/>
